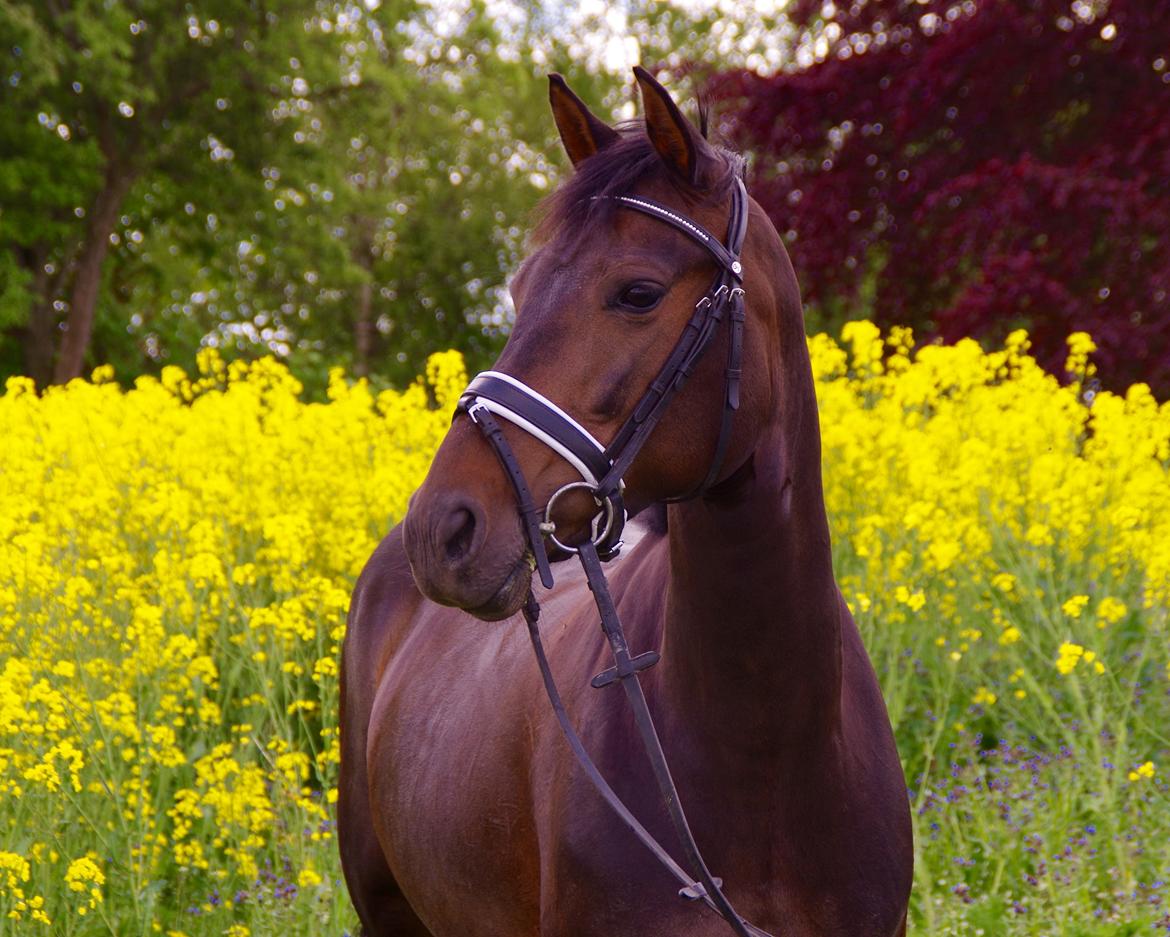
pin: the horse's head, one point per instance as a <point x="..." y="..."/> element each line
<point x="601" y="304"/>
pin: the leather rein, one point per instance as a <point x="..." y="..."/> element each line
<point x="492" y="394"/>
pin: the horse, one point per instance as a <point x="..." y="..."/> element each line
<point x="460" y="809"/>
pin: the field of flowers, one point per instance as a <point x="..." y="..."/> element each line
<point x="176" y="561"/>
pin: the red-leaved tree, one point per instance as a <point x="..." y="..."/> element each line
<point x="976" y="166"/>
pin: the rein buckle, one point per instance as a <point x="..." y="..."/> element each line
<point x="637" y="664"/>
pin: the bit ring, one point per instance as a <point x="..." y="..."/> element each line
<point x="605" y="510"/>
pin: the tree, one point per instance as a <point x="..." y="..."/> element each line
<point x="341" y="183"/>
<point x="144" y="94"/>
<point x="974" y="166"/>
<point x="435" y="187"/>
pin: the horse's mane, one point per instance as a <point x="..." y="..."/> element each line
<point x="585" y="198"/>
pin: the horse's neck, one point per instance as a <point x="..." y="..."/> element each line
<point x="752" y="642"/>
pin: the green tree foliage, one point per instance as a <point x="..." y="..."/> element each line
<point x="338" y="182"/>
<point x="342" y="182"/>
<point x="137" y="96"/>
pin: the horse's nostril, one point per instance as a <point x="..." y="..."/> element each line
<point x="458" y="530"/>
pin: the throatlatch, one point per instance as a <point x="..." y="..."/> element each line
<point x="492" y="393"/>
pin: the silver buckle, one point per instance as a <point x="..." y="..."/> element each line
<point x="711" y="298"/>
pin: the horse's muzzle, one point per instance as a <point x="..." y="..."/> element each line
<point x="458" y="558"/>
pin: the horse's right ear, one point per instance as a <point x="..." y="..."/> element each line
<point x="581" y="132"/>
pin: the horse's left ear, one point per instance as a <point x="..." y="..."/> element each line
<point x="581" y="132"/>
<point x="677" y="141"/>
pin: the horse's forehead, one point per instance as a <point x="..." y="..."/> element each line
<point x="573" y="259"/>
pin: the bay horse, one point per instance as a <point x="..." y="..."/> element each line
<point x="461" y="810"/>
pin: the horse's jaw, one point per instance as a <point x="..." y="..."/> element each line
<point x="509" y="598"/>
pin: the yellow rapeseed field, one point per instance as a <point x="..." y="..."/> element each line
<point x="175" y="567"/>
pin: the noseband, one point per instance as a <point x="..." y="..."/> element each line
<point x="493" y="394"/>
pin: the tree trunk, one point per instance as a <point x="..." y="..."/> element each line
<point x="88" y="279"/>
<point x="39" y="336"/>
<point x="363" y="331"/>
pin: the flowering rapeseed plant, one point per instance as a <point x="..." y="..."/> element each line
<point x="175" y="567"/>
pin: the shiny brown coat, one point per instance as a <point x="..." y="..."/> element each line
<point x="462" y="812"/>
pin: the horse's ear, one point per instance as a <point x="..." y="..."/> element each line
<point x="676" y="140"/>
<point x="581" y="132"/>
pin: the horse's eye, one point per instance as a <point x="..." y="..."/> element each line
<point x="640" y="297"/>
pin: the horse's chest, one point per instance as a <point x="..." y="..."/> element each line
<point x="793" y="868"/>
<point x="491" y="828"/>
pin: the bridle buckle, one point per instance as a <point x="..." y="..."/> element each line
<point x="711" y="298"/>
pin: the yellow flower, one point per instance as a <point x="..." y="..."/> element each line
<point x="1040" y="535"/>
<point x="1074" y="606"/>
<point x="1010" y="635"/>
<point x="1068" y="656"/>
<point x="1110" y="611"/>
<point x="1080" y="346"/>
<point x="914" y="600"/>
<point x="984" y="697"/>
<point x="943" y="553"/>
<point x="14" y="870"/>
<point x="84" y="877"/>
<point x="1005" y="582"/>
<point x="1143" y="772"/>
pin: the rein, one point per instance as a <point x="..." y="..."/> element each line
<point x="491" y="394"/>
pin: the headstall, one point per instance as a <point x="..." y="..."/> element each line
<point x="491" y="394"/>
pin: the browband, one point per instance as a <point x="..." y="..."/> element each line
<point x="726" y="257"/>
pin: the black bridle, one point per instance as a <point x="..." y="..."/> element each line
<point x="491" y="394"/>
